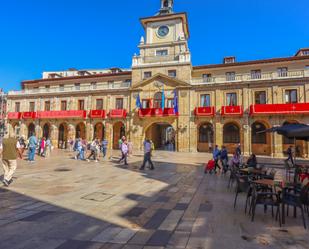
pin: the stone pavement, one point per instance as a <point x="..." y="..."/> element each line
<point x="66" y="204"/>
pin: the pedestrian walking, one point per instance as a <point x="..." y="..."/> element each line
<point x="94" y="147"/>
<point x="216" y="155"/>
<point x="23" y="146"/>
<point x="10" y="147"/>
<point x="224" y="158"/>
<point x="42" y="147"/>
<point x="104" y="147"/>
<point x="48" y="146"/>
<point x="33" y="142"/>
<point x="124" y="151"/>
<point x="147" y="155"/>
<point x="290" y="155"/>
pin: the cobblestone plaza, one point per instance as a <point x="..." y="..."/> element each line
<point x="63" y="203"/>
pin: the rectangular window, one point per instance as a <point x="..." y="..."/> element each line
<point x="77" y="86"/>
<point x="17" y="106"/>
<point x="282" y="72"/>
<point x="162" y="52"/>
<point x="63" y="105"/>
<point x="119" y="103"/>
<point x="205" y="100"/>
<point x="260" y="97"/>
<point x="99" y="104"/>
<point x="47" y="106"/>
<point x="47" y="88"/>
<point x="147" y="75"/>
<point x="93" y="85"/>
<point x="231" y="99"/>
<point x="172" y="73"/>
<point x="81" y="105"/>
<point x="256" y="74"/>
<point x="145" y="103"/>
<point x="170" y="103"/>
<point x="31" y="107"/>
<point x="207" y="77"/>
<point x="230" y="76"/>
<point x="61" y="88"/>
<point x="291" y="96"/>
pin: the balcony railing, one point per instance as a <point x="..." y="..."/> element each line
<point x="72" y="89"/>
<point x="251" y="77"/>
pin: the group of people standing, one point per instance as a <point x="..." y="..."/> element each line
<point x="80" y="146"/>
<point x="42" y="146"/>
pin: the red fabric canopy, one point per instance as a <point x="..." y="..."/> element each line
<point x="204" y="111"/>
<point x="277" y="109"/>
<point x="232" y="110"/>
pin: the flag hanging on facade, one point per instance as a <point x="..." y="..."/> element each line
<point x="138" y="102"/>
<point x="175" y="102"/>
<point x="163" y="100"/>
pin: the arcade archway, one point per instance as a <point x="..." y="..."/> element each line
<point x="261" y="141"/>
<point x="63" y="136"/>
<point x="98" y="131"/>
<point x="31" y="130"/>
<point x="81" y="131"/>
<point x="119" y="130"/>
<point x="205" y="138"/>
<point x="46" y="131"/>
<point x="162" y="135"/>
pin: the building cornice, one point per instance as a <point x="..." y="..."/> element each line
<point x="254" y="62"/>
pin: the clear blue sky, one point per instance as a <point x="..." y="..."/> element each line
<point x="46" y="35"/>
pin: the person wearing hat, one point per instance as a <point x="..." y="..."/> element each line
<point x="10" y="148"/>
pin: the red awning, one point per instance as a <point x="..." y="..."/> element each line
<point x="118" y="113"/>
<point x="14" y="115"/>
<point x="279" y="109"/>
<point x="232" y="110"/>
<point x="157" y="112"/>
<point x="29" y="115"/>
<point x="97" y="114"/>
<point x="61" y="114"/>
<point x="204" y="111"/>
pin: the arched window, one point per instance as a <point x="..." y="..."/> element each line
<point x="206" y="133"/>
<point x="231" y="134"/>
<point x="157" y="100"/>
<point x="257" y="137"/>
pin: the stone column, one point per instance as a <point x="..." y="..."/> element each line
<point x="218" y="130"/>
<point x="54" y="135"/>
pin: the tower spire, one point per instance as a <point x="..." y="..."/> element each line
<point x="166" y="7"/>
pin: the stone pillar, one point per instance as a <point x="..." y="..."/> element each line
<point x="218" y="130"/>
<point x="109" y="134"/>
<point x="246" y="130"/>
<point x="54" y="135"/>
<point x="193" y="133"/>
<point x="89" y="131"/>
<point x="71" y="132"/>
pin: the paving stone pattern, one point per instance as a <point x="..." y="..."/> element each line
<point x="60" y="203"/>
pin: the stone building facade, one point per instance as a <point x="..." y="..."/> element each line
<point x="223" y="104"/>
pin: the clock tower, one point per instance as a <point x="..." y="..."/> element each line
<point x="165" y="43"/>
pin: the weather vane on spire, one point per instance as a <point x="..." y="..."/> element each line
<point x="166" y="7"/>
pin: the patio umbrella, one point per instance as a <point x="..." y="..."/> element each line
<point x="295" y="131"/>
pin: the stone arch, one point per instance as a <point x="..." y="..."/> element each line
<point x="163" y="135"/>
<point x="62" y="136"/>
<point x="260" y="142"/>
<point x="31" y="129"/>
<point x="205" y="137"/>
<point x="231" y="135"/>
<point x="80" y="131"/>
<point x="119" y="130"/>
<point x="46" y="130"/>
<point x="99" y="131"/>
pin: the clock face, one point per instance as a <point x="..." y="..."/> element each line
<point x="163" y="31"/>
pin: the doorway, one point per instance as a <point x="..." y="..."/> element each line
<point x="163" y="136"/>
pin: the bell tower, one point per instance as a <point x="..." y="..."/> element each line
<point x="166" y="7"/>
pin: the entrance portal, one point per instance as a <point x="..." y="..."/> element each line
<point x="163" y="136"/>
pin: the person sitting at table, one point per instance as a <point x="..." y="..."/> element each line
<point x="252" y="162"/>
